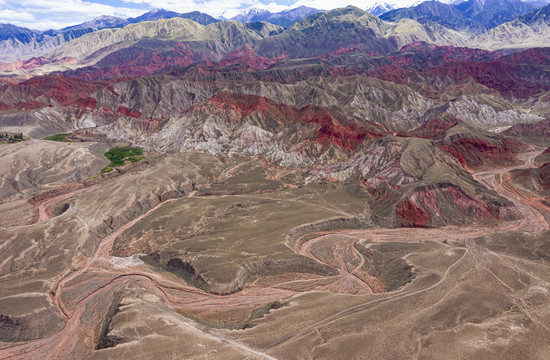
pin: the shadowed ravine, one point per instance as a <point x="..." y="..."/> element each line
<point x="84" y="302"/>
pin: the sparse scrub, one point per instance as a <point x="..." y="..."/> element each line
<point x="11" y="138"/>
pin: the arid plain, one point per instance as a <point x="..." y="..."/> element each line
<point x="196" y="256"/>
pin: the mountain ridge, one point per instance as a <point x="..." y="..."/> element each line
<point x="319" y="34"/>
<point x="283" y="18"/>
<point x="472" y="15"/>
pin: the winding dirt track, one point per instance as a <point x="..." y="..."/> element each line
<point x="498" y="180"/>
<point x="97" y="279"/>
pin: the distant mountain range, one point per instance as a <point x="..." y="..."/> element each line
<point x="154" y="46"/>
<point x="22" y="43"/>
<point x="284" y="18"/>
<point x="469" y="17"/>
<point x="472" y="15"/>
<point x="159" y="14"/>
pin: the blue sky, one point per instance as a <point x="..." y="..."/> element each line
<point x="48" y="14"/>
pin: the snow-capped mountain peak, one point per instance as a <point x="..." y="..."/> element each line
<point x="380" y="8"/>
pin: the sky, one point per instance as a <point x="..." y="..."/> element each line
<point x="56" y="14"/>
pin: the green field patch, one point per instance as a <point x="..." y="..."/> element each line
<point x="59" y="137"/>
<point x="119" y="155"/>
<point x="135" y="158"/>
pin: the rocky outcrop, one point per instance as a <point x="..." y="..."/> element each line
<point x="476" y="153"/>
<point x="52" y="193"/>
<point x="444" y="204"/>
<point x="247" y="57"/>
<point x="433" y="128"/>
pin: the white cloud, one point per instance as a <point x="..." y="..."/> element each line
<point x="74" y="8"/>
<point x="230" y="9"/>
<point x="47" y="14"/>
<point x="272" y="7"/>
<point x="209" y="6"/>
<point x="11" y="15"/>
<point x="362" y="4"/>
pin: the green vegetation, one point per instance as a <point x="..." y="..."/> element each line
<point x="119" y="155"/>
<point x="11" y="138"/>
<point x="136" y="158"/>
<point x="59" y="137"/>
